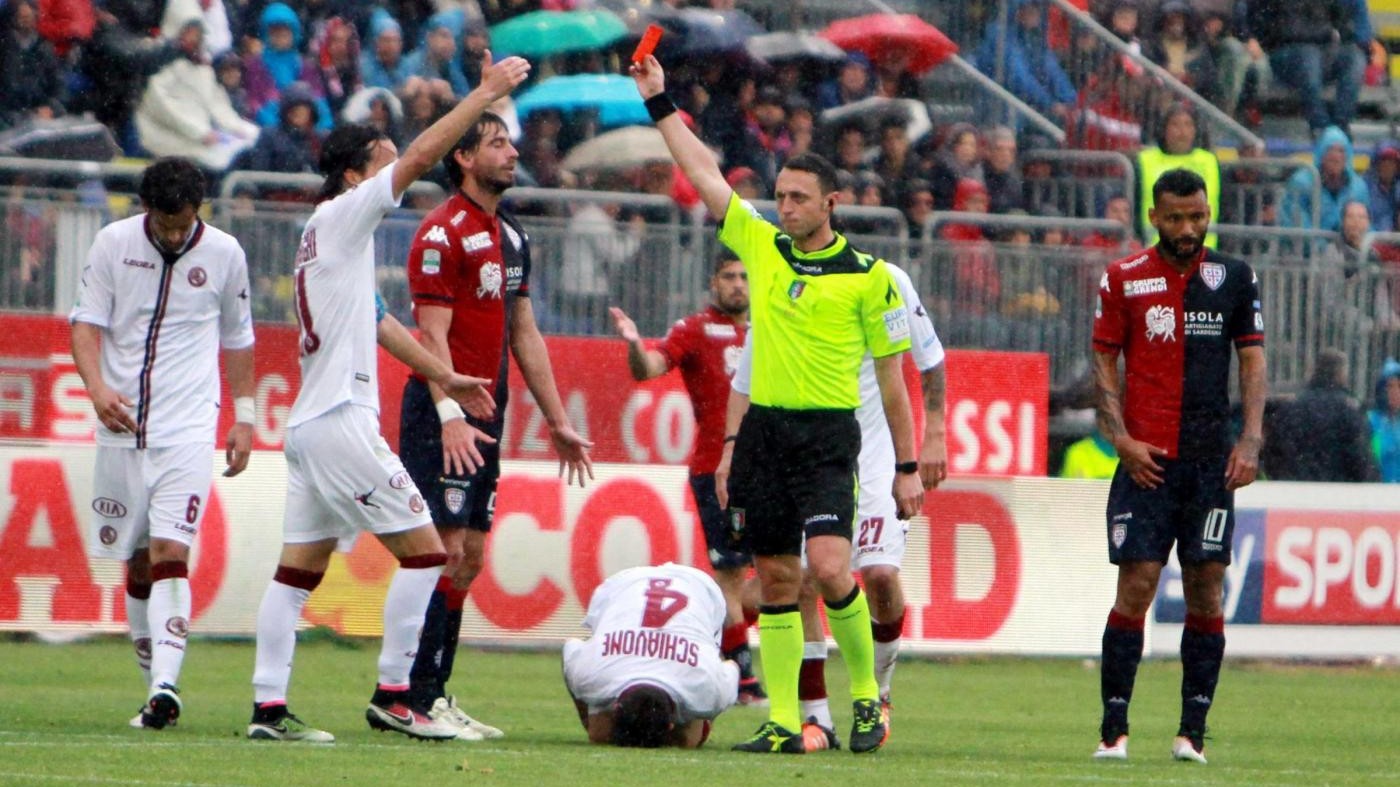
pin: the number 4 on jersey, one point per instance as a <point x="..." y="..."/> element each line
<point x="663" y="603"/>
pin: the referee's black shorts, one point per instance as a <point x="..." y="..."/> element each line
<point x="793" y="475"/>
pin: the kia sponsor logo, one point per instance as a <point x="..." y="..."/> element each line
<point x="106" y="506"/>
<point x="400" y="480"/>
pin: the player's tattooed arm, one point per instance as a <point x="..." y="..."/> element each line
<point x="1109" y="397"/>
<point x="1139" y="459"/>
<point x="933" y="454"/>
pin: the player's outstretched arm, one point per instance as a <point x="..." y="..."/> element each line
<point x="111" y="406"/>
<point x="497" y="80"/>
<point x="470" y="391"/>
<point x="933" y="454"/>
<point x="531" y="355"/>
<point x="643" y="363"/>
<point x="689" y="152"/>
<point x="238" y="446"/>
<point x="1243" y="465"/>
<point x="894" y="395"/>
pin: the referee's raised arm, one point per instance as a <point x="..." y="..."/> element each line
<point x="689" y="152"/>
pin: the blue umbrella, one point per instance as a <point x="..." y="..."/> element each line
<point x="705" y="32"/>
<point x="613" y="96"/>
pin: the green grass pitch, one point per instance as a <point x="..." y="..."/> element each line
<point x="64" y="708"/>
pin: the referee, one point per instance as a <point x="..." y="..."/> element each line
<point x="817" y="307"/>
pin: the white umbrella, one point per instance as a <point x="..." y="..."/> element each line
<point x="871" y="111"/>
<point x="621" y="148"/>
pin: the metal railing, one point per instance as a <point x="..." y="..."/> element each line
<point x="1079" y="181"/>
<point x="1005" y="290"/>
<point x="1252" y="190"/>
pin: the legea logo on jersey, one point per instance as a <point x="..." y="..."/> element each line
<point x="435" y="234"/>
<point x="1161" y="322"/>
<point x="491" y="280"/>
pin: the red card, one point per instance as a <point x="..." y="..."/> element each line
<point x="647" y="44"/>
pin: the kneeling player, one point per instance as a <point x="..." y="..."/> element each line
<point x="651" y="674"/>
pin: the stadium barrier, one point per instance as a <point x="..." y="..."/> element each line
<point x="1001" y="295"/>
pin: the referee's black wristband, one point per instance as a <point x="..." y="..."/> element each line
<point x="729" y="438"/>
<point x="660" y="106"/>
<point x="906" y="467"/>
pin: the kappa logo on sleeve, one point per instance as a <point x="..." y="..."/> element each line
<point x="897" y="324"/>
<point x="435" y="234"/>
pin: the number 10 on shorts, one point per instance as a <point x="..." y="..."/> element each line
<point x="1214" y="530"/>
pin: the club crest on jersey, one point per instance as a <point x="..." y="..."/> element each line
<point x="455" y="499"/>
<point x="432" y="261"/>
<point x="107" y="535"/>
<point x="1161" y="321"/>
<point x="435" y="234"/>
<point x="197" y="277"/>
<point x="795" y="289"/>
<point x="1120" y="534"/>
<point x="491" y="280"/>
<point x="477" y="242"/>
<point x="1213" y="274"/>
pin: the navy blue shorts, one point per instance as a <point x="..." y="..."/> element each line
<point x="724" y="545"/>
<point x="467" y="500"/>
<point x="1191" y="508"/>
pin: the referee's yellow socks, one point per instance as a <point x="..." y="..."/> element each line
<point x="849" y="619"/>
<point x="780" y="645"/>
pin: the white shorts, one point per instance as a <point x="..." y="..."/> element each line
<point x="139" y="494"/>
<point x="877" y="539"/>
<point x="342" y="480"/>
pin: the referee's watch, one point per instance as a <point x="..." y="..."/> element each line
<point x="907" y="468"/>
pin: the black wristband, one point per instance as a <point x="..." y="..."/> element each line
<point x="729" y="438"/>
<point x="660" y="106"/>
<point x="906" y="467"/>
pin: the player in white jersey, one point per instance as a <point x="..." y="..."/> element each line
<point x="880" y="536"/>
<point x="342" y="478"/>
<point x="161" y="293"/>
<point x="651" y="674"/>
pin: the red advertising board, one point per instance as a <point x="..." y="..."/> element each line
<point x="998" y="403"/>
<point x="1332" y="568"/>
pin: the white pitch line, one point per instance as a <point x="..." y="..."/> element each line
<point x="70" y="779"/>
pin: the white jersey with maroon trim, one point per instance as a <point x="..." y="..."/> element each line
<point x="335" y="299"/>
<point x="658" y="625"/>
<point x="164" y="317"/>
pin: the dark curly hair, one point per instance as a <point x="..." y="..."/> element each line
<point x="469" y="143"/>
<point x="642" y="717"/>
<point x="346" y="148"/>
<point x="171" y="183"/>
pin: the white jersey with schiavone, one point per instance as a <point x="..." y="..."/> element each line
<point x="335" y="299"/>
<point x="657" y="625"/>
<point x="164" y="316"/>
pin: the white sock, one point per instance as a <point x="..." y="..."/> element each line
<point x="818" y="709"/>
<point x="277" y="641"/>
<point x="404" y="608"/>
<point x="168" y="615"/>
<point x="886" y="656"/>
<point x="140" y="635"/>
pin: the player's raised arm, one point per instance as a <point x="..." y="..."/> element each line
<point x="497" y="80"/>
<point x="689" y="152"/>
<point x="643" y="363"/>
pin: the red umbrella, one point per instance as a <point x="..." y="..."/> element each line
<point x="880" y="36"/>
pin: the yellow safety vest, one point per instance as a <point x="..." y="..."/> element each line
<point x="1153" y="161"/>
